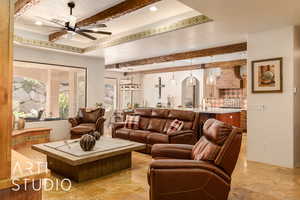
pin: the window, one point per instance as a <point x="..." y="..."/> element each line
<point x="50" y="92"/>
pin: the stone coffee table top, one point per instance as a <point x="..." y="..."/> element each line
<point x="70" y="151"/>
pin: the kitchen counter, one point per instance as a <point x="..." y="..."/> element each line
<point x="214" y="110"/>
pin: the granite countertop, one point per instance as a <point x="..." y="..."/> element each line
<point x="214" y="110"/>
<point x="209" y="110"/>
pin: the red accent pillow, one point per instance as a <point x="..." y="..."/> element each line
<point x="175" y="126"/>
<point x="132" y="122"/>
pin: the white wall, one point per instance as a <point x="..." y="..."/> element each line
<point x="151" y="92"/>
<point x="297" y="96"/>
<point x="95" y="79"/>
<point x="60" y="128"/>
<point x="271" y="130"/>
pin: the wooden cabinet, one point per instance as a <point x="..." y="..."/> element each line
<point x="244" y="120"/>
<point x="229" y="118"/>
<point x="233" y="119"/>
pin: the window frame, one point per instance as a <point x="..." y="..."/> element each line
<point x="60" y="65"/>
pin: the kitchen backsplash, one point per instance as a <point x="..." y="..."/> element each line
<point x="227" y="102"/>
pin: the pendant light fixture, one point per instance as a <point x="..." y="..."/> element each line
<point x="191" y="80"/>
<point x="173" y="80"/>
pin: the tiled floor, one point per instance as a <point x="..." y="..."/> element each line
<point x="251" y="181"/>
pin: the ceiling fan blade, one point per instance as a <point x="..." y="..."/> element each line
<point x="52" y="27"/>
<point x="94" y="26"/>
<point x="49" y="21"/>
<point x="97" y="32"/>
<point x="86" y="35"/>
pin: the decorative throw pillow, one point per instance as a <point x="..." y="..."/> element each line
<point x="175" y="126"/>
<point x="132" y="121"/>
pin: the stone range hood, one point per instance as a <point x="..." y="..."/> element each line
<point x="230" y="78"/>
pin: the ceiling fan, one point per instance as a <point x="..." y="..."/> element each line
<point x="72" y="27"/>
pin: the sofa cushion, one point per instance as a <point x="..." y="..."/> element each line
<point x="122" y="133"/>
<point x="143" y="112"/>
<point x="205" y="150"/>
<point x="139" y="136"/>
<point x="144" y="122"/>
<point x="81" y="130"/>
<point x="160" y="113"/>
<point x="187" y="126"/>
<point x="132" y="121"/>
<point x="167" y="125"/>
<point x="182" y="115"/>
<point x="156" y="125"/>
<point x="157" y="138"/>
<point x="90" y="125"/>
<point x="210" y="144"/>
<point x="175" y="126"/>
<point x="90" y="115"/>
<point x="216" y="131"/>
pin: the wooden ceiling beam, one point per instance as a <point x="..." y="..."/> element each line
<point x="169" y="69"/>
<point x="223" y="64"/>
<point x="183" y="56"/>
<point x="116" y="11"/>
<point x="23" y="4"/>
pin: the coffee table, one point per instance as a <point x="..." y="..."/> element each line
<point x="109" y="155"/>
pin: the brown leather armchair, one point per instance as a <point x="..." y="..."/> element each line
<point x="202" y="171"/>
<point x="90" y="120"/>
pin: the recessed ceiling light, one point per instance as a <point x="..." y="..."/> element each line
<point x="39" y="23"/>
<point x="153" y="8"/>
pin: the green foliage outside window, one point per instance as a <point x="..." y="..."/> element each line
<point x="63" y="106"/>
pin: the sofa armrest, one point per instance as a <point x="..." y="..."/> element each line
<point x="183" y="137"/>
<point x="187" y="180"/>
<point x="74" y="121"/>
<point x="115" y="126"/>
<point x="178" y="151"/>
<point x="100" y="124"/>
<point x="188" y="164"/>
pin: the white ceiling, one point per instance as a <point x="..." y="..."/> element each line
<point x="130" y="23"/>
<point x="249" y="15"/>
<point x="233" y="21"/>
<point x="193" y="38"/>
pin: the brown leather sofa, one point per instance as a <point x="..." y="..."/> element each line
<point x="203" y="171"/>
<point x="90" y="121"/>
<point x="153" y="126"/>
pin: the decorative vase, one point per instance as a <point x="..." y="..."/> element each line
<point x="21" y="123"/>
<point x="87" y="142"/>
<point x="96" y="135"/>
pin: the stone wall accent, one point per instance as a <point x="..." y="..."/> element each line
<point x="28" y="94"/>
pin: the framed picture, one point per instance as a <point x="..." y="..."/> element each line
<point x="267" y="76"/>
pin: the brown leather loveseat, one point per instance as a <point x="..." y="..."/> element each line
<point x="202" y="171"/>
<point x="153" y="126"/>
